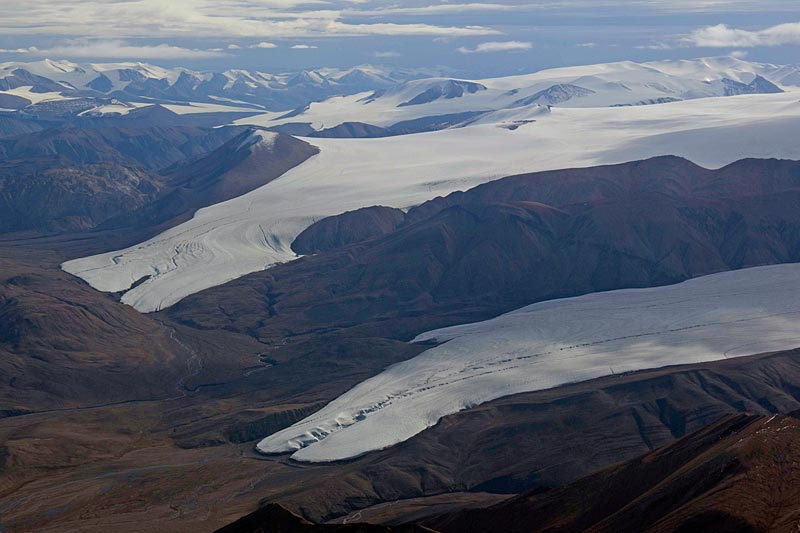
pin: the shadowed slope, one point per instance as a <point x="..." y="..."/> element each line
<point x="740" y="474"/>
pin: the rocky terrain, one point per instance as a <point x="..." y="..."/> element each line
<point x="152" y="148"/>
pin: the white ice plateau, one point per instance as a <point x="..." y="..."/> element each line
<point x="553" y="343"/>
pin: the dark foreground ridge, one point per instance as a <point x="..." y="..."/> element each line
<point x="277" y="519"/>
<point x="740" y="474"/>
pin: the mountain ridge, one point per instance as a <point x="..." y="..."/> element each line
<point x="278" y="92"/>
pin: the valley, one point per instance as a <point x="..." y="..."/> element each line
<point x="415" y="168"/>
<point x="206" y="316"/>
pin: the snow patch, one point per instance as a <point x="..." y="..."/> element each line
<point x="113" y="108"/>
<point x="261" y="140"/>
<point x="198" y="107"/>
<point x="34" y="97"/>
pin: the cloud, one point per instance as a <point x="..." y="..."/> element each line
<point x="304" y="47"/>
<point x="656" y="46"/>
<point x="386" y="54"/>
<point x="266" y="19"/>
<point x="446" y="7"/>
<point x="507" y="46"/>
<point x="117" y="49"/>
<point x="436" y="9"/>
<point x="265" y="45"/>
<point x="336" y="28"/>
<point x="723" y="36"/>
<point x="29" y="50"/>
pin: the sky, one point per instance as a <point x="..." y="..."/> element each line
<point x="472" y="38"/>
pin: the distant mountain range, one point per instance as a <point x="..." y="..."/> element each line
<point x="125" y="82"/>
<point x="437" y="103"/>
<point x="363" y="101"/>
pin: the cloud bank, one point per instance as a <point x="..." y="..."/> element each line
<point x="491" y="47"/>
<point x="114" y="49"/>
<point x="267" y="19"/>
<point x="723" y="36"/>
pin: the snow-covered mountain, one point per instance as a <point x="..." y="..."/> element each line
<point x="389" y="101"/>
<point x="142" y="82"/>
<point x="608" y="85"/>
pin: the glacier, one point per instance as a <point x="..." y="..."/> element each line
<point x="553" y="343"/>
<point x="255" y="231"/>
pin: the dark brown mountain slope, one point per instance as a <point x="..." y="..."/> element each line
<point x="59" y="197"/>
<point x="276" y="519"/>
<point x="64" y="345"/>
<point x="236" y="168"/>
<point x="153" y="148"/>
<point x="741" y="474"/>
<point x="71" y="179"/>
<point x="95" y="184"/>
<point x="348" y="228"/>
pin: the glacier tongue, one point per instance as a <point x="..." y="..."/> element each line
<point x="550" y="344"/>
